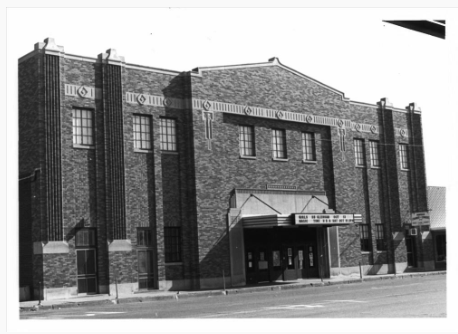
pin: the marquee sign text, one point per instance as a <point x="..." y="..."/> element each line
<point x="323" y="219"/>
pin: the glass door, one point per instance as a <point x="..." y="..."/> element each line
<point x="85" y="259"/>
<point x="289" y="262"/>
<point x="145" y="259"/>
<point x="300" y="262"/>
<point x="250" y="266"/>
<point x="145" y="270"/>
<point x="262" y="266"/>
<point x="277" y="270"/>
<point x="311" y="263"/>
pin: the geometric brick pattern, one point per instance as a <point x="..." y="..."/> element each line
<point x="144" y="99"/>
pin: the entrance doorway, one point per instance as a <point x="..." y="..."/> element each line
<point x="311" y="261"/>
<point x="86" y="261"/>
<point x="281" y="255"/>
<point x="145" y="259"/>
<point x="410" y="247"/>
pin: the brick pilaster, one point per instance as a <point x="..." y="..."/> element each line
<point x="114" y="151"/>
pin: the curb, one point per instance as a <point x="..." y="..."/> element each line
<point x="215" y="293"/>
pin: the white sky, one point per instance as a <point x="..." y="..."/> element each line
<point x="349" y="49"/>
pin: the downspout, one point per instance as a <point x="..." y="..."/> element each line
<point x="34" y="175"/>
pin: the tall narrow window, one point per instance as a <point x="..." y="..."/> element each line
<point x="380" y="237"/>
<point x="404" y="156"/>
<point x="279" y="144"/>
<point x="375" y="155"/>
<point x="83" y="127"/>
<point x="168" y="134"/>
<point x="365" y="240"/>
<point x="308" y="146"/>
<point x="142" y="132"/>
<point x="144" y="237"/>
<point x="172" y="240"/>
<point x="85" y="238"/>
<point x="246" y="141"/>
<point x="359" y="151"/>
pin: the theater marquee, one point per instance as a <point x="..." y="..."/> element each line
<point x="323" y="219"/>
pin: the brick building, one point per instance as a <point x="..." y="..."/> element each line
<point x="155" y="179"/>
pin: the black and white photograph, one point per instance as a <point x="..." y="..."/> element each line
<point x="241" y="167"/>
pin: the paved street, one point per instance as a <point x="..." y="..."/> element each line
<point x="415" y="297"/>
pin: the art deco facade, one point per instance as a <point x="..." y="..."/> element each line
<point x="156" y="179"/>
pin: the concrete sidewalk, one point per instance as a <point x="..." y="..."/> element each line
<point x="157" y="295"/>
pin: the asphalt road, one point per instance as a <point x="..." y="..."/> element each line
<point x="417" y="297"/>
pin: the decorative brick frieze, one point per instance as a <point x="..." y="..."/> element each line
<point x="365" y="128"/>
<point x="402" y="133"/>
<point x="214" y="106"/>
<point x="208" y="118"/>
<point x="156" y="101"/>
<point x="82" y="91"/>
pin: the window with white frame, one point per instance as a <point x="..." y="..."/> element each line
<point x="247" y="141"/>
<point x="404" y="156"/>
<point x="83" y="133"/>
<point x="279" y="144"/>
<point x="142" y="132"/>
<point x="375" y="153"/>
<point x="359" y="151"/>
<point x="168" y="134"/>
<point x="308" y="146"/>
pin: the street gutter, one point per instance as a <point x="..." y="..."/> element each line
<point x="216" y="293"/>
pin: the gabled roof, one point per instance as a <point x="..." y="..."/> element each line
<point x="272" y="62"/>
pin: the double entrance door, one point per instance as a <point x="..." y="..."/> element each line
<point x="284" y="262"/>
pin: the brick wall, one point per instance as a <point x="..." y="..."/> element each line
<point x="29" y="158"/>
<point x="358" y="190"/>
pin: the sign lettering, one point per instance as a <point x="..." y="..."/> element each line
<point x="323" y="219"/>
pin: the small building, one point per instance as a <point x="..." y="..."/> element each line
<point x="436" y="202"/>
<point x="141" y="178"/>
